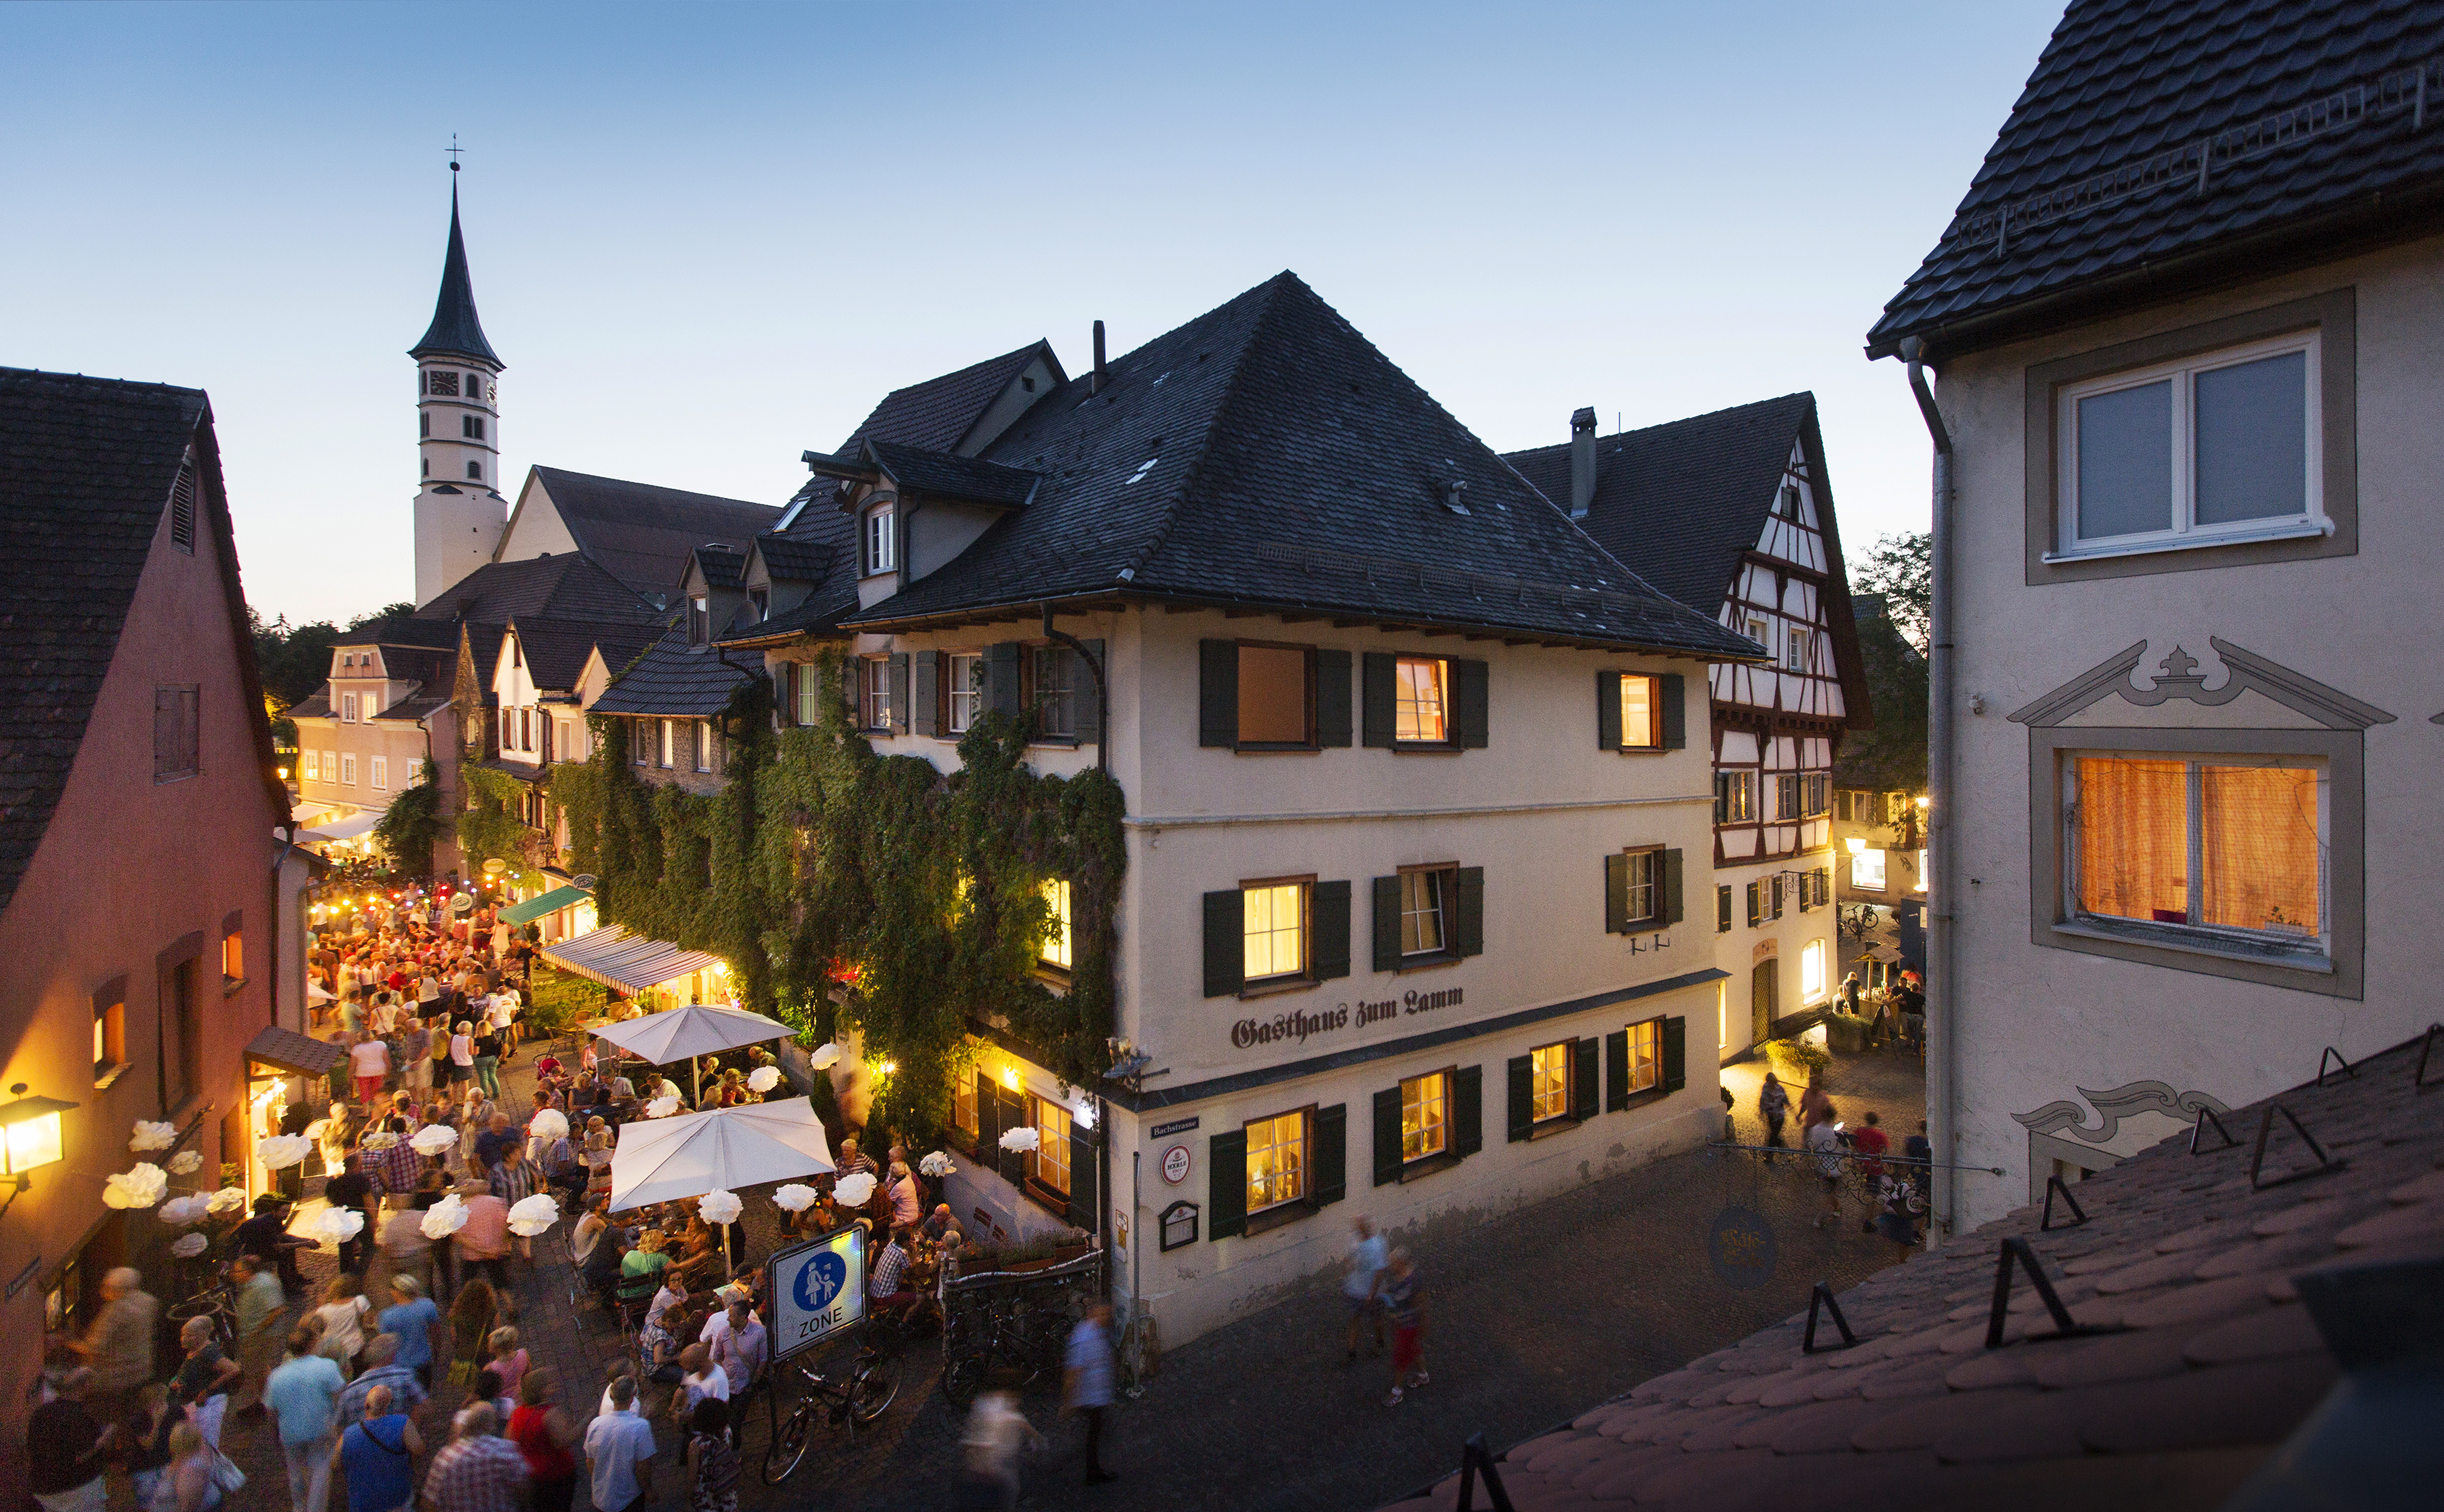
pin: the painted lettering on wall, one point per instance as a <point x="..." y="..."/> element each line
<point x="1294" y="1027"/>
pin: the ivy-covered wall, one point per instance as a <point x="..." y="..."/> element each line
<point x="824" y="870"/>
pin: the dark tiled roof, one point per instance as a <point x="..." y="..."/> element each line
<point x="314" y="706"/>
<point x="416" y="706"/>
<point x="956" y="477"/>
<point x="799" y="557"/>
<point x="566" y="586"/>
<point x="676" y="679"/>
<point x="2215" y="1363"/>
<point x="86" y="467"/>
<point x="939" y="412"/>
<point x="641" y="533"/>
<point x="555" y="649"/>
<point x="1681" y="503"/>
<point x="722" y="567"/>
<point x="1292" y="466"/>
<point x="400" y="630"/>
<point x="2307" y="107"/>
<point x="455" y="331"/>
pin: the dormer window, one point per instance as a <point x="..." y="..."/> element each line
<point x="761" y="599"/>
<point x="881" y="541"/>
<point x="699" y="621"/>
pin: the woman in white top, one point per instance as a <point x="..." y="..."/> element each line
<point x="343" y="1313"/>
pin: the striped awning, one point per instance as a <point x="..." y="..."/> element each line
<point x="341" y="829"/>
<point x="551" y="902"/>
<point x="628" y="962"/>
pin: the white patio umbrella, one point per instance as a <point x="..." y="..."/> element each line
<point x="691" y="1153"/>
<point x="676" y="1034"/>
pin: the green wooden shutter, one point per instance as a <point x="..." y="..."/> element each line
<point x="1009" y="1113"/>
<point x="900" y="692"/>
<point x="1002" y="677"/>
<point x="783" y="679"/>
<point x="1377" y="718"/>
<point x="1332" y="698"/>
<point x="1468" y="911"/>
<point x="1225" y="1198"/>
<point x="1755" y="918"/>
<point x="1084" y="1212"/>
<point x="1468" y="1111"/>
<point x="1090" y="722"/>
<point x="988" y="1120"/>
<point x="1723" y="909"/>
<point x="1523" y="1098"/>
<point x="1475" y="703"/>
<point x="1616" y="1070"/>
<point x="1617" y="893"/>
<point x="1608" y="710"/>
<point x="1387" y="1136"/>
<point x="1329" y="909"/>
<point x="925" y="692"/>
<point x="1676" y="718"/>
<point x="1226" y="948"/>
<point x="1217" y="693"/>
<point x="1387" y="923"/>
<point x="1672" y="911"/>
<point x="1328" y="1155"/>
<point x="1676" y="1054"/>
<point x="1583" y="1092"/>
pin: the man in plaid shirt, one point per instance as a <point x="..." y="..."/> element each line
<point x="395" y="1169"/>
<point x="478" y="1471"/>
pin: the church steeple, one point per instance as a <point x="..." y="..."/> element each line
<point x="459" y="511"/>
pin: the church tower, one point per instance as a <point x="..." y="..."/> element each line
<point x="459" y="510"/>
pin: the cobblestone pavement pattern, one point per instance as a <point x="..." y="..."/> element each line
<point x="1534" y="1316"/>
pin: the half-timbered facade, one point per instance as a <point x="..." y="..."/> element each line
<point x="1730" y="513"/>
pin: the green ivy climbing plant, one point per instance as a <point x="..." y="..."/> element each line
<point x="846" y="886"/>
<point x="489" y="829"/>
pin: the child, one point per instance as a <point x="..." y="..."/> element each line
<point x="508" y="1358"/>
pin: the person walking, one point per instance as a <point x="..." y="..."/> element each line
<point x="119" y="1346"/>
<point x="996" y="1433"/>
<point x="382" y="1369"/>
<point x="487" y="1060"/>
<point x="462" y="1054"/>
<point x="187" y="1483"/>
<point x="478" y="1471"/>
<point x="1086" y="1383"/>
<point x="262" y="1323"/>
<point x="1773" y="1106"/>
<point x="482" y="1244"/>
<point x="304" y="1395"/>
<point x="1824" y="1143"/>
<point x="1368" y="1252"/>
<point x="545" y="1435"/>
<point x="1400" y="1292"/>
<point x="205" y="1377"/>
<point x="1922" y="1175"/>
<point x="354" y="1190"/>
<point x="619" y="1452"/>
<point x="67" y="1448"/>
<point x="413" y="1321"/>
<point x="711" y="1463"/>
<point x="471" y="1324"/>
<point x="342" y="1317"/>
<point x="369" y="1062"/>
<point x="376" y="1456"/>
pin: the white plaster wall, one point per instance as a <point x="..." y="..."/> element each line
<point x="1786" y="939"/>
<point x="2037" y="1023"/>
<point x="536" y="529"/>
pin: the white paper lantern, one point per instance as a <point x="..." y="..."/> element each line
<point x="936" y="1165"/>
<point x="228" y="1200"/>
<point x="281" y="1152"/>
<point x="550" y="1124"/>
<point x="854" y="1191"/>
<point x="719" y="1206"/>
<point x="793" y="1198"/>
<point x="186" y="1163"/>
<point x="339" y="1225"/>
<point x="434" y="1138"/>
<point x="825" y="1057"/>
<point x="140" y="1188"/>
<point x="762" y="1078"/>
<point x="380" y="1140"/>
<point x="529" y="1216"/>
<point x="185" y="1212"/>
<point x="444" y="1217"/>
<point x="153" y="1135"/>
<point x="1022" y="1137"/>
<point x="661" y="1107"/>
<point x="189" y="1247"/>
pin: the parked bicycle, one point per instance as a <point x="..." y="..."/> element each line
<point x="217" y="1300"/>
<point x="1025" y="1338"/>
<point x="854" y="1400"/>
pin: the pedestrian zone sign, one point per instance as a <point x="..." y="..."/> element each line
<point x="818" y="1291"/>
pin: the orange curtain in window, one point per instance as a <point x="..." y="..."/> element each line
<point x="2134" y="839"/>
<point x="2263" y="858"/>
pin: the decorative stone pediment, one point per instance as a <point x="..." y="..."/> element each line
<point x="2254" y="694"/>
<point x="2113" y="1107"/>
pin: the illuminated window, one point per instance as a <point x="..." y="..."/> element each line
<point x="963" y="1104"/>
<point x="1645" y="1050"/>
<point x="1548" y="1081"/>
<point x="1048" y="1164"/>
<point x="1276" y="1160"/>
<point x="1055" y="949"/>
<point x="1640" y="698"/>
<point x="1421" y="700"/>
<point x="1734" y="797"/>
<point x="1425" y="1115"/>
<point x="2233" y="847"/>
<point x="1275" y="930"/>
<point x="380" y="774"/>
<point x="308" y="770"/>
<point x="1811" y="971"/>
<point x="109" y="1036"/>
<point x="1921" y="873"/>
<point x="234" y="956"/>
<point x="1867" y="870"/>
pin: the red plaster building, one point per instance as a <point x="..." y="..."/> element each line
<point x="137" y="802"/>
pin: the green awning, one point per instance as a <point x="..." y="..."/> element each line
<point x="551" y="902"/>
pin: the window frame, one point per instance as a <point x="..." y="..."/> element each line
<point x="1446" y="905"/>
<point x="1040" y="655"/>
<point x="1303" y="1200"/>
<point x="877" y="550"/>
<point x="1536" y="1122"/>
<point x="1060" y="897"/>
<point x="952" y="692"/>
<point x="1312" y="740"/>
<point x="378" y="773"/>
<point x="348" y="709"/>
<point x="1042" y="1110"/>
<point x="1652" y="857"/>
<point x="1816" y="800"/>
<point x="347" y="768"/>
<point x="1281" y="981"/>
<point x="1654" y="711"/>
<point x="110" y="1033"/>
<point x="2332" y="315"/>
<point x="1441" y="1154"/>
<point x="873" y="694"/>
<point x="1797" y="642"/>
<point x="2340" y="973"/>
<point x="1740" y="782"/>
<point x="1722" y="908"/>
<point x="1788" y="798"/>
<point x="1883" y="869"/>
<point x="1814" y="951"/>
<point x="1448" y="681"/>
<point x="1653" y="1028"/>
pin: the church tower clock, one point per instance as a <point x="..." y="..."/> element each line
<point x="459" y="510"/>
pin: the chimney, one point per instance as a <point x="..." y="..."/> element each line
<point x="1095" y="385"/>
<point x="1582" y="461"/>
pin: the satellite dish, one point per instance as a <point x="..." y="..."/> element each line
<point x="585" y="881"/>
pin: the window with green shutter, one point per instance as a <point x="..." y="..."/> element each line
<point x="1225" y="1164"/>
<point x="1468" y="1110"/>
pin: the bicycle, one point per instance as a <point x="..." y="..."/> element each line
<point x="1026" y="1339"/>
<point x="217" y="1300"/>
<point x="858" y="1398"/>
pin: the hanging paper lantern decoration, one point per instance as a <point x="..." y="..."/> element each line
<point x="854" y="1191"/>
<point x="550" y="1124"/>
<point x="662" y="1107"/>
<point x="185" y="1212"/>
<point x="825" y="1057"/>
<point x="380" y="1140"/>
<point x="140" y="1188"/>
<point x="434" y="1138"/>
<point x="186" y="1163"/>
<point x="936" y="1165"/>
<point x="189" y="1247"/>
<point x="530" y="1216"/>
<point x="444" y="1217"/>
<point x="1022" y="1137"/>
<point x="762" y="1078"/>
<point x="719" y="1206"/>
<point x="793" y="1198"/>
<point x="339" y="1225"/>
<point x="153" y="1135"/>
<point x="227" y="1200"/>
<point x="280" y="1151"/>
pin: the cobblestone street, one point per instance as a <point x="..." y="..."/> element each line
<point x="1533" y="1316"/>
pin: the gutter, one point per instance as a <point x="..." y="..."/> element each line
<point x="1943" y="892"/>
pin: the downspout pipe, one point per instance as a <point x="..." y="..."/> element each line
<point x="1943" y="1017"/>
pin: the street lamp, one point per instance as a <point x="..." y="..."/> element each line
<point x="1856" y="844"/>
<point x="33" y="1137"/>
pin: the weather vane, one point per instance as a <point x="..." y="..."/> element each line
<point x="454" y="150"/>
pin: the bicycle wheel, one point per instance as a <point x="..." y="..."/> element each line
<point x="789" y="1441"/>
<point x="873" y="1387"/>
<point x="963" y="1377"/>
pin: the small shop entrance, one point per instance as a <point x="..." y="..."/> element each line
<point x="1764" y="992"/>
